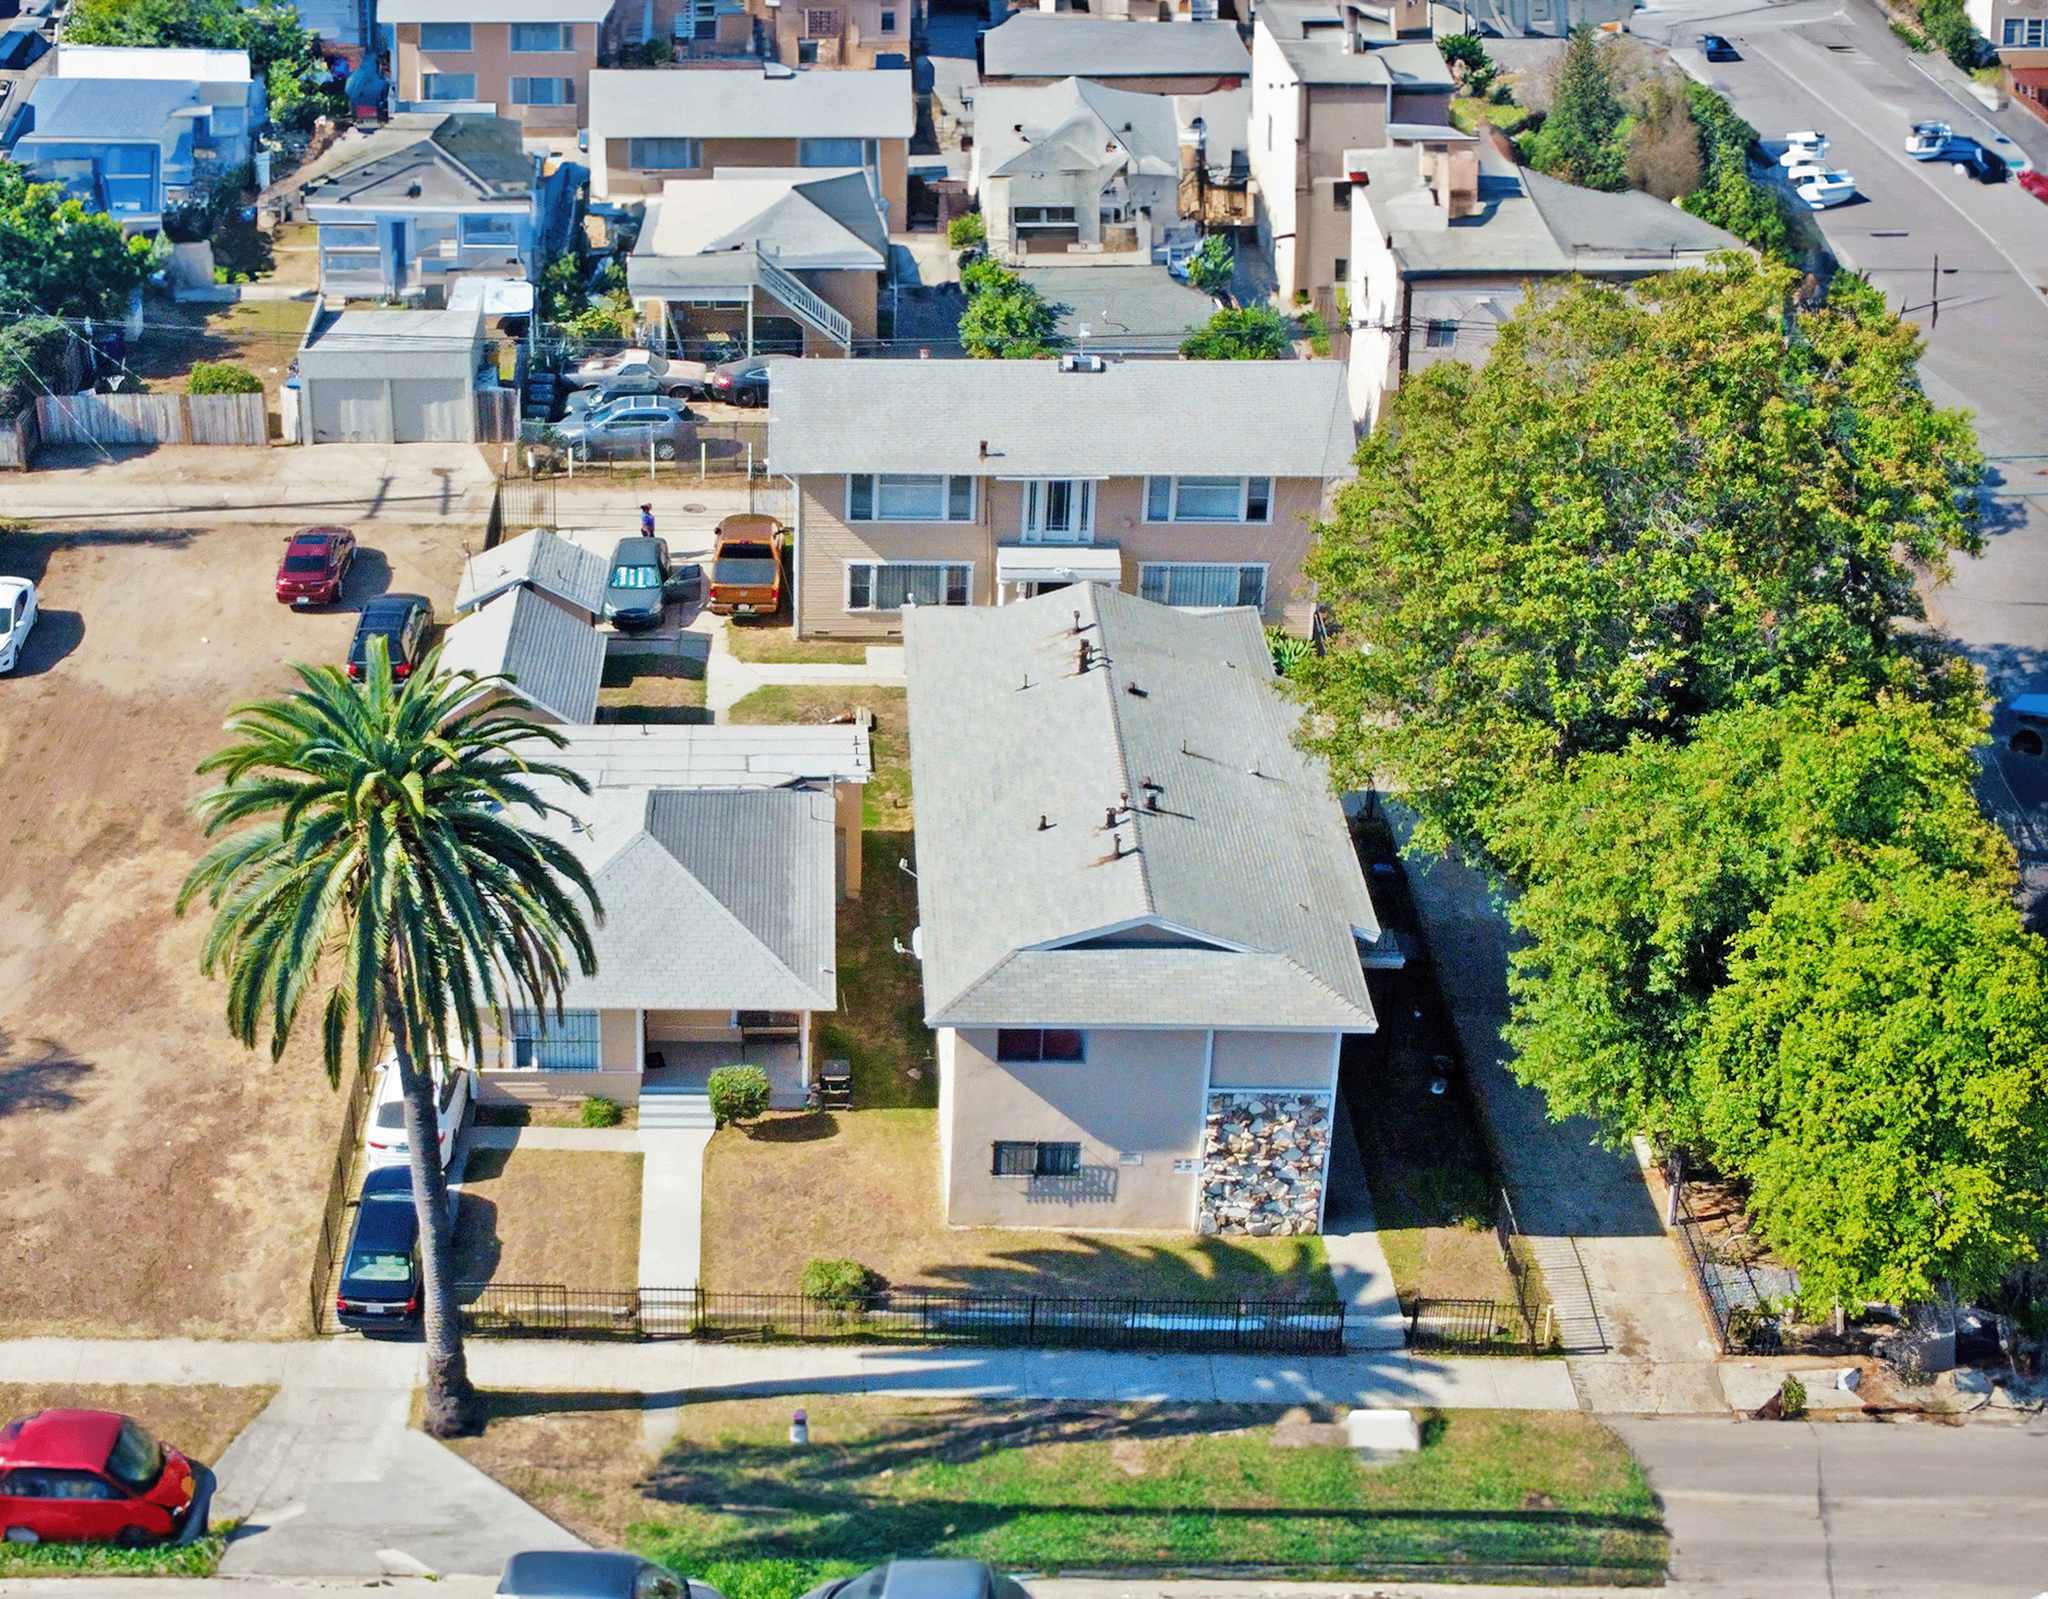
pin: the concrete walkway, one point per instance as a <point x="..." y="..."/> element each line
<point x="1351" y="1240"/>
<point x="1610" y="1267"/>
<point x="728" y="679"/>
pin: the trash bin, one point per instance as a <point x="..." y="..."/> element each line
<point x="288" y="407"/>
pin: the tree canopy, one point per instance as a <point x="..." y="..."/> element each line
<point x="1248" y="333"/>
<point x="282" y="50"/>
<point x="1581" y="141"/>
<point x="1006" y="318"/>
<point x="58" y="257"/>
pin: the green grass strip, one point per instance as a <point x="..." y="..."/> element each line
<point x="196" y="1559"/>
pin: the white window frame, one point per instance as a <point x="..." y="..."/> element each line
<point x="809" y="155"/>
<point x="637" y="148"/>
<point x="1151" y="573"/>
<point x="429" y="81"/>
<point x="902" y="482"/>
<point x="486" y="230"/>
<point x="1038" y="495"/>
<point x="467" y="47"/>
<point x="1175" y="512"/>
<point x="870" y="569"/>
<point x="522" y="91"/>
<point x="565" y="39"/>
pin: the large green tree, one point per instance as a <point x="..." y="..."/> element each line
<point x="1580" y="139"/>
<point x="1650" y="504"/>
<point x="374" y="856"/>
<point x="56" y="257"/>
<point x="282" y="50"/>
<point x="1245" y="333"/>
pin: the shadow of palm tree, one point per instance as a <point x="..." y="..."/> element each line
<point x="38" y="1074"/>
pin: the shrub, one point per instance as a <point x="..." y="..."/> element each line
<point x="979" y="275"/>
<point x="601" y="1112"/>
<point x="222" y="377"/>
<point x="1006" y="318"/>
<point x="1466" y="56"/>
<point x="842" y="1281"/>
<point x="1317" y="332"/>
<point x="31" y="360"/>
<point x="738" y="1093"/>
<point x="1792" y="1400"/>
<point x="1211" y="266"/>
<point x="965" y="230"/>
<point x="1250" y="333"/>
<point x="1288" y="651"/>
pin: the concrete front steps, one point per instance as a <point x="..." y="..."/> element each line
<point x="675" y="1110"/>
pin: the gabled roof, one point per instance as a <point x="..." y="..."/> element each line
<point x="797" y="224"/>
<point x="1036" y="44"/>
<point x="1310" y="38"/>
<point x="1226" y="894"/>
<point x="1030" y="419"/>
<point x="556" y="662"/>
<point x="1075" y="126"/>
<point x="465" y="157"/>
<point x="743" y="103"/>
<point x="109" y="111"/>
<point x="713" y="899"/>
<point x="536" y="559"/>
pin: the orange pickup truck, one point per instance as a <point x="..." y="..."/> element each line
<point x="746" y="566"/>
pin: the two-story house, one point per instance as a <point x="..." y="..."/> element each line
<point x="529" y="60"/>
<point x="992" y="481"/>
<point x="1142" y="927"/>
<point x="1326" y="79"/>
<point x="407" y="209"/>
<point x="132" y="131"/>
<point x="649" y="127"/>
<point x="1040" y="47"/>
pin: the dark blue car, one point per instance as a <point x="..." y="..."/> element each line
<point x="380" y="1273"/>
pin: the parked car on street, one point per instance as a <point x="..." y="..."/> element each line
<point x="1806" y="171"/>
<point x="641" y="584"/>
<point x="315" y="566"/>
<point x="741" y="382"/>
<point x="1984" y="164"/>
<point x="631" y="427"/>
<point x="594" y="1574"/>
<point x="746" y="566"/>
<point x="17" y="618"/>
<point x="1716" y="48"/>
<point x="385" y="1141"/>
<point x="1803" y="145"/>
<point x="1929" y="141"/>
<point x="402" y="621"/>
<point x="380" y="1269"/>
<point x="924" y="1579"/>
<point x="619" y="363"/>
<point x="1826" y="189"/>
<point x="2032" y="712"/>
<point x="73" y="1476"/>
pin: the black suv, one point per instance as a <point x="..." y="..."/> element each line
<point x="401" y="621"/>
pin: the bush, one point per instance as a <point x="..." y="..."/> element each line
<point x="601" y="1112"/>
<point x="1792" y="1400"/>
<point x="222" y="377"/>
<point x="1211" y="266"/>
<point x="1317" y="332"/>
<point x="841" y="1281"/>
<point x="31" y="360"/>
<point x="1007" y="319"/>
<point x="1288" y="651"/>
<point x="979" y="275"/>
<point x="738" y="1093"/>
<point x="1252" y="333"/>
<point x="965" y="230"/>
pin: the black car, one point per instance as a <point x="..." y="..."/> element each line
<point x="924" y="1579"/>
<point x="401" y="620"/>
<point x="1716" y="48"/>
<point x="741" y="382"/>
<point x="642" y="582"/>
<point x="594" y="1574"/>
<point x="380" y="1273"/>
<point x="1984" y="164"/>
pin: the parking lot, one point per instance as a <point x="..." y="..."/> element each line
<point x="156" y="1177"/>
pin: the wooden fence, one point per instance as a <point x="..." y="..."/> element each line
<point x="497" y="416"/>
<point x="19" y="436"/>
<point x="153" y="419"/>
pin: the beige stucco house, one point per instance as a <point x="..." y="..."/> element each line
<point x="1142" y="924"/>
<point x="528" y="59"/>
<point x="994" y="481"/>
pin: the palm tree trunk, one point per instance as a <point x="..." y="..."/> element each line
<point x="453" y="1407"/>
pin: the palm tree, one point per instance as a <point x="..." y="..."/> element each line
<point x="381" y="859"/>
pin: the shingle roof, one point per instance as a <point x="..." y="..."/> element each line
<point x="746" y="104"/>
<point x="1070" y="126"/>
<point x="1034" y="45"/>
<point x="1225" y="832"/>
<point x="541" y="560"/>
<point x="1271" y="418"/>
<point x="555" y="660"/>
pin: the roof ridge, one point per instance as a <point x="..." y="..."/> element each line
<point x="1116" y="740"/>
<point x="726" y="910"/>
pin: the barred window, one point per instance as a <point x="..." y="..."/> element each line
<point x="543" y="1041"/>
<point x="1202" y="584"/>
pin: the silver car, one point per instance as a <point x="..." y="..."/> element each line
<point x="635" y="425"/>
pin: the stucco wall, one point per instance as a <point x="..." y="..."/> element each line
<point x="1273" y="1060"/>
<point x="690" y="1026"/>
<point x="619" y="1040"/>
<point x="537" y="1088"/>
<point x="495" y="63"/>
<point x="618" y="178"/>
<point x="1139" y="1093"/>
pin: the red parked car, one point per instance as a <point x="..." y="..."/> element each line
<point x="67" y="1476"/>
<point x="315" y="565"/>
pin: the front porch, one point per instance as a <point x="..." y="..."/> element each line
<point x="686" y="1068"/>
<point x="722" y="306"/>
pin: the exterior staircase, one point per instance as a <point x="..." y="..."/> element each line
<point x="672" y="1110"/>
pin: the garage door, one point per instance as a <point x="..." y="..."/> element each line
<point x="432" y="410"/>
<point x="350" y="411"/>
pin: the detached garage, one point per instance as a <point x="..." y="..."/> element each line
<point x="390" y="377"/>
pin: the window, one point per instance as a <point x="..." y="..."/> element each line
<point x="888" y="22"/>
<point x="1342" y="271"/>
<point x="835" y="152"/>
<point x="543" y="91"/>
<point x="1189" y="583"/>
<point x="1340" y="197"/>
<point x="704" y="19"/>
<point x="2032" y="37"/>
<point x="543" y="1041"/>
<point x="1059" y="511"/>
<point x="448" y="85"/>
<point x="1037" y="1160"/>
<point x="2012" y="31"/>
<point x="540" y="38"/>
<point x="891" y="585"/>
<point x="1208" y="499"/>
<point x="1042" y="216"/>
<point x="1442" y="335"/>
<point x="489" y="230"/>
<point x="1041" y="1044"/>
<point x="909" y="497"/>
<point x="666" y="155"/>
<point x="445" y="38"/>
<point x="335" y="237"/>
<point x="820" y="23"/>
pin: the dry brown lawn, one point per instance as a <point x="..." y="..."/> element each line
<point x="576" y="1458"/>
<point x="864" y="1185"/>
<point x="775" y="643"/>
<point x="648" y="687"/>
<point x="199" y="1422"/>
<point x="156" y="1178"/>
<point x="549" y="1216"/>
<point x="887" y="801"/>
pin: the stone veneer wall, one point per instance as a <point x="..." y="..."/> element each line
<point x="1263" y="1159"/>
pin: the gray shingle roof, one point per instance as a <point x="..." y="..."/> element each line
<point x="1246" y="852"/>
<point x="1034" y="45"/>
<point x="556" y="660"/>
<point x="539" y="559"/>
<point x="745" y="104"/>
<point x="1271" y="418"/>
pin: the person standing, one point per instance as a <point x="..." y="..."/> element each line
<point x="647" y="521"/>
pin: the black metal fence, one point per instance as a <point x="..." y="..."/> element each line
<point x="1735" y="1301"/>
<point x="1476" y="1327"/>
<point x="1274" y="1326"/>
<point x="334" y="1216"/>
<point x="519" y="504"/>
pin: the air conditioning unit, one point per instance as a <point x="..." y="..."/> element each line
<point x="1083" y="363"/>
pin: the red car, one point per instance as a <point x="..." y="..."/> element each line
<point x="315" y="565"/>
<point x="71" y="1475"/>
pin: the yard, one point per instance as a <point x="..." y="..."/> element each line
<point x="774" y="643"/>
<point x="1493" y="1495"/>
<point x="549" y="1216"/>
<point x="157" y="1178"/>
<point x="650" y="686"/>
<point x="259" y="335"/>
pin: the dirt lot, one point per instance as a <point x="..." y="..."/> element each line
<point x="156" y="1178"/>
<point x="198" y="1422"/>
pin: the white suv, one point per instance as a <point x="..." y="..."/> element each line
<point x="385" y="1141"/>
